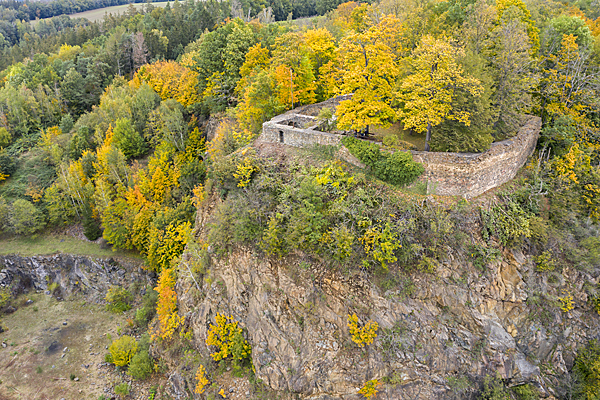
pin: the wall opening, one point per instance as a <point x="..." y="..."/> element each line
<point x="280" y="136"/>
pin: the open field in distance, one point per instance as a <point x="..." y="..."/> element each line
<point x="98" y="14"/>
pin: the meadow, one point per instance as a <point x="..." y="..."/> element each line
<point x="98" y="14"/>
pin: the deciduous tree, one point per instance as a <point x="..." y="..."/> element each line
<point x="428" y="93"/>
<point x="369" y="69"/>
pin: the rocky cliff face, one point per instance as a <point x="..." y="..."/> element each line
<point x="70" y="274"/>
<point x="460" y="321"/>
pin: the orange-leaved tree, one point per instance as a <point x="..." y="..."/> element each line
<point x="166" y="307"/>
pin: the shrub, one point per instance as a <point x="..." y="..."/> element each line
<point x="397" y="168"/>
<point x="545" y="262"/>
<point x="122" y="350"/>
<point x="507" y="222"/>
<point x="595" y="300"/>
<point x="525" y="392"/>
<point x="381" y="242"/>
<point x="566" y="302"/>
<point x="245" y="168"/>
<point x="427" y="265"/>
<point x="25" y="218"/>
<point x="367" y="153"/>
<point x="370" y="388"/>
<point x="122" y="389"/>
<point x="390" y="140"/>
<point x="4" y="213"/>
<point x="481" y="255"/>
<point x="362" y="336"/>
<point x="493" y="389"/>
<point x="229" y="340"/>
<point x="118" y="299"/>
<point x="7" y="164"/>
<point x="141" y="365"/>
<point x="202" y="380"/>
<point x="169" y="319"/>
<point x="591" y="244"/>
<point x="586" y="371"/>
<point x="144" y="314"/>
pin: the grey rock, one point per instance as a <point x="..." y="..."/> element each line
<point x="177" y="386"/>
<point x="296" y="323"/>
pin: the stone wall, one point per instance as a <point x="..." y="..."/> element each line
<point x="299" y="127"/>
<point x="448" y="174"/>
<point x="469" y="175"/>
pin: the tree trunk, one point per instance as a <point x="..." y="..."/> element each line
<point x="292" y="87"/>
<point x="428" y="137"/>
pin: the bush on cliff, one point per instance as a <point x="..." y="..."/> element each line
<point x="397" y="168"/>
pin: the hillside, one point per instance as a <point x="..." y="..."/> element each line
<point x="320" y="255"/>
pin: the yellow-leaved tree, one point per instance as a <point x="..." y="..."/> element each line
<point x="428" y="92"/>
<point x="369" y="69"/>
<point x="170" y="80"/>
<point x="566" y="85"/>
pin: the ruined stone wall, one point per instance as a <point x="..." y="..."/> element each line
<point x="448" y="174"/>
<point x="469" y="175"/>
<point x="297" y="137"/>
<point x="299" y="127"/>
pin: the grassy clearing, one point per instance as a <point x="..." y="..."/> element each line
<point x="51" y="244"/>
<point x="98" y="14"/>
<point x="34" y="365"/>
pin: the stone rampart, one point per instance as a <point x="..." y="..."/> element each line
<point x="448" y="174"/>
<point x="468" y="174"/>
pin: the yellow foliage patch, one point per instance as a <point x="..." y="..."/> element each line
<point x="202" y="380"/>
<point x="362" y="336"/>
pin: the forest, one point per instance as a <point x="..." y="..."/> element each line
<point x="105" y="125"/>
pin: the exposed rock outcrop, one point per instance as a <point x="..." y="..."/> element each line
<point x="70" y="274"/>
<point x="460" y="321"/>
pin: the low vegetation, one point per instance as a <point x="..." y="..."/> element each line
<point x="105" y="125"/>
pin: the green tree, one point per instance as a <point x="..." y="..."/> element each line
<point x="587" y="372"/>
<point x="568" y="25"/>
<point x="25" y="218"/>
<point x="128" y="140"/>
<point x="293" y="70"/>
<point x="5" y="137"/>
<point x="429" y="92"/>
<point x="4" y="214"/>
<point x="455" y="136"/>
<point x="517" y="9"/>
<point x="510" y="54"/>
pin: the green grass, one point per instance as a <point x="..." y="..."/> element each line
<point x="98" y="14"/>
<point x="51" y="244"/>
<point x="396" y="129"/>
